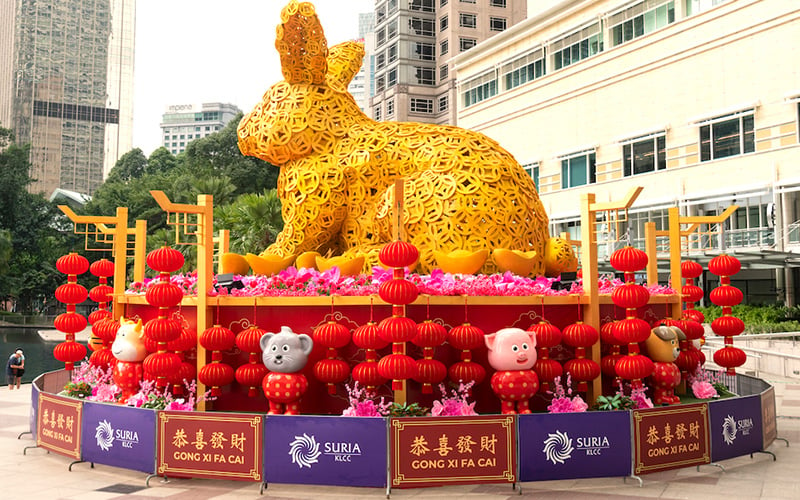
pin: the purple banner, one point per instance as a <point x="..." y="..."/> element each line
<point x="342" y="451"/>
<point x="735" y="427"/>
<point x="574" y="445"/>
<point x="121" y="436"/>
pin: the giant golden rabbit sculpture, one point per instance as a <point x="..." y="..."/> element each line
<point x="462" y="190"/>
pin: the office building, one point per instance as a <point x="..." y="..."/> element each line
<point x="361" y="85"/>
<point x="694" y="100"/>
<point x="66" y="87"/>
<point x="182" y="123"/>
<point x="415" y="41"/>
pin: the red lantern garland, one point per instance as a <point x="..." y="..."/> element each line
<point x="631" y="330"/>
<point x="101" y="294"/>
<point x="216" y="374"/>
<point x="429" y="371"/>
<point x="70" y="352"/>
<point x="186" y="371"/>
<point x="580" y="336"/>
<point x="727" y="325"/>
<point x="609" y="362"/>
<point x="252" y="373"/>
<point x="690" y="356"/>
<point x="466" y="337"/>
<point x="163" y="365"/>
<point x="547" y="369"/>
<point x="368" y="337"/>
<point x="331" y="370"/>
<point x="398" y="329"/>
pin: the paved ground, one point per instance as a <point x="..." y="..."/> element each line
<point x="34" y="473"/>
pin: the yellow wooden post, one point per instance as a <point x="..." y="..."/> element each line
<point x="651" y="249"/>
<point x="591" y="315"/>
<point x="139" y="250"/>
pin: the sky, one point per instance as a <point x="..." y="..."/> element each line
<point x="195" y="51"/>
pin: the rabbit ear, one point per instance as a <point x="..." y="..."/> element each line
<point x="344" y="61"/>
<point x="301" y="44"/>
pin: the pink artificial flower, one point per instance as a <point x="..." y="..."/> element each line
<point x="703" y="390"/>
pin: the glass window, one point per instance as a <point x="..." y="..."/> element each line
<point x="578" y="170"/>
<point x="443" y="103"/>
<point x="466" y="43"/>
<point x="421" y="5"/>
<point x="443" y="47"/>
<point x="696" y="6"/>
<point x="425" y="76"/>
<point x="645" y="155"/>
<point x="727" y="136"/>
<point x="498" y="3"/>
<point x="443" y="23"/>
<point x="419" y="105"/>
<point x="390" y="108"/>
<point x="524" y="69"/>
<point x="391" y="77"/>
<point x="391" y="29"/>
<point x="421" y="27"/>
<point x="640" y="19"/>
<point x="479" y="89"/>
<point x="380" y="83"/>
<point x="442" y="3"/>
<point x="391" y="53"/>
<point x="533" y="171"/>
<point x="577" y="46"/>
<point x="442" y="72"/>
<point x="467" y="20"/>
<point x="422" y="50"/>
<point x="467" y="1"/>
<point x="380" y="61"/>
<point x="391" y="6"/>
<point x="376" y="112"/>
<point x="497" y="23"/>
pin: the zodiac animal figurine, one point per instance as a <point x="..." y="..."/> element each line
<point x="663" y="348"/>
<point x="129" y="350"/>
<point x="284" y="354"/>
<point x="338" y="168"/>
<point x="512" y="352"/>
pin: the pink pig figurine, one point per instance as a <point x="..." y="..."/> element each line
<point x="512" y="352"/>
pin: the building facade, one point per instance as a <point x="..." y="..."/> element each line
<point x="66" y="87"/>
<point x="360" y="86"/>
<point x="415" y="41"/>
<point x="182" y="123"/>
<point x="691" y="99"/>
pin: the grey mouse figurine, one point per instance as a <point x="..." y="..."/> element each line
<point x="284" y="354"/>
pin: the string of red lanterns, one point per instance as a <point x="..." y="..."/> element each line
<point x="727" y="325"/>
<point x="546" y="368"/>
<point x="690" y="357"/>
<point x="71" y="293"/>
<point x="252" y="373"/>
<point x="102" y="269"/>
<point x="216" y="374"/>
<point x="331" y="370"/>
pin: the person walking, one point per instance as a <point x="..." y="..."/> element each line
<point x="15" y="368"/>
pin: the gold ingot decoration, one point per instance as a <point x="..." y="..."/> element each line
<point x="307" y="260"/>
<point x="233" y="263"/>
<point x="347" y="266"/>
<point x="462" y="190"/>
<point x="461" y="261"/>
<point x="268" y="264"/>
<point x="518" y="262"/>
<point x="559" y="258"/>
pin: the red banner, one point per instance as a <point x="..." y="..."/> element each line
<point x="210" y="445"/>
<point x="453" y="450"/>
<point x="59" y="425"/>
<point x="672" y="437"/>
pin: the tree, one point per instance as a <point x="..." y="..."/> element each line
<point x="254" y="220"/>
<point x="161" y="161"/>
<point x="130" y="166"/>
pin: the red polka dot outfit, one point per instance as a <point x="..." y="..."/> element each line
<point x="666" y="377"/>
<point x="284" y="389"/>
<point x="127" y="375"/>
<point x="515" y="388"/>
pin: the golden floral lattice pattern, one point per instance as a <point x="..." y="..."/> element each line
<point x="462" y="190"/>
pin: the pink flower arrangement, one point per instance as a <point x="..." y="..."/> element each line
<point x="362" y="406"/>
<point x="293" y="282"/>
<point x="454" y="404"/>
<point x="563" y="401"/>
<point x="149" y="396"/>
<point x="702" y="383"/>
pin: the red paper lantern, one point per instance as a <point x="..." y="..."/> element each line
<point x="631" y="330"/>
<point x="366" y="374"/>
<point x="69" y="353"/>
<point x="101" y="293"/>
<point x="630" y="296"/>
<point x="217" y="338"/>
<point x="397" y="329"/>
<point x="70" y="322"/>
<point x="430" y="334"/>
<point x="98" y="315"/>
<point x="331" y="371"/>
<point x="397" y="367"/>
<point x="185" y="342"/>
<point x="465" y="372"/>
<point x="634" y="368"/>
<point x="160" y="365"/>
<point x="581" y="334"/>
<point x="547" y="336"/>
<point x="165" y="260"/>
<point x="727" y="326"/>
<point x="730" y="357"/>
<point x="102" y="268"/>
<point x="583" y="370"/>
<point x="71" y="293"/>
<point x="102" y="358"/>
<point x="726" y="296"/>
<point x="162" y="329"/>
<point x="691" y="293"/>
<point x="332" y="334"/>
<point x="368" y="337"/>
<point x="724" y="265"/>
<point x="72" y="263"/>
<point x="465" y="337"/>
<point x="215" y="375"/>
<point x="164" y="294"/>
<point x="691" y="269"/>
<point x="429" y="371"/>
<point x="398" y="291"/>
<point x="106" y="329"/>
<point x="694" y="315"/>
<point x="251" y="375"/>
<point x="398" y="254"/>
<point x="628" y="259"/>
<point x="547" y="370"/>
<point x="692" y="329"/>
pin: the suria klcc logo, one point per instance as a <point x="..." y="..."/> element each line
<point x="305" y="450"/>
<point x="731" y="427"/>
<point x="106" y="435"/>
<point x="558" y="447"/>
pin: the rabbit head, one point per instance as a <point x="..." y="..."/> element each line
<point x="307" y="111"/>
